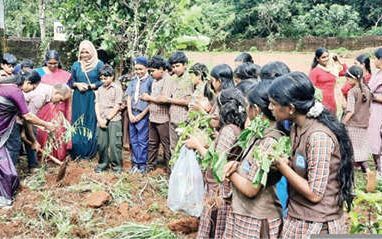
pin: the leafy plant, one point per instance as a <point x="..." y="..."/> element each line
<point x="254" y="130"/>
<point x="198" y="124"/>
<point x="366" y="216"/>
<point x="56" y="140"/>
<point x="265" y="158"/>
<point x="137" y="231"/>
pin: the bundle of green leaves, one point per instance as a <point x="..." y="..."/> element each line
<point x="198" y="125"/>
<point x="265" y="159"/>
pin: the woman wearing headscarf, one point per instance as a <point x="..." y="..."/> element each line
<point x="84" y="80"/>
<point x="52" y="74"/>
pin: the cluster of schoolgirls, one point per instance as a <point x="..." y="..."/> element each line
<point x="319" y="171"/>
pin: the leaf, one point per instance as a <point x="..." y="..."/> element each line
<point x="218" y="168"/>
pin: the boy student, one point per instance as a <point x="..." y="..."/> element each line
<point x="159" y="111"/>
<point x="181" y="91"/>
<point x="138" y="115"/>
<point x="108" y="98"/>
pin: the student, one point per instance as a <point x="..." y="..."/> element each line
<point x="324" y="78"/>
<point x="159" y="112"/>
<point x="357" y="114"/>
<point x="364" y="62"/>
<point x="8" y="62"/>
<point x="375" y="122"/>
<point x="273" y="70"/>
<point x="221" y="78"/>
<point x="138" y="110"/>
<point x="243" y="58"/>
<point x="109" y="131"/>
<point x="320" y="171"/>
<point x="246" y="71"/>
<point x="232" y="118"/>
<point x="199" y="77"/>
<point x="255" y="208"/>
<point x="181" y="94"/>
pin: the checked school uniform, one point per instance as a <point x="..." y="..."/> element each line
<point x="213" y="219"/>
<point x="260" y="216"/>
<point x="159" y="122"/>
<point x="358" y="123"/>
<point x="109" y="140"/>
<point x="139" y="131"/>
<point x="181" y="88"/>
<point x="315" y="157"/>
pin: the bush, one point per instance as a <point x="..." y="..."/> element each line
<point x="198" y="43"/>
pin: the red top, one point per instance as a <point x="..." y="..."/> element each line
<point x="325" y="81"/>
<point x="345" y="89"/>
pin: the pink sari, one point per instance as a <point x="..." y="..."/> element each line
<point x="51" y="111"/>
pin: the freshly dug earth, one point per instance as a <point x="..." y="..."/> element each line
<point x="84" y="203"/>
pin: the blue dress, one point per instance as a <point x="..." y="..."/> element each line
<point x="83" y="104"/>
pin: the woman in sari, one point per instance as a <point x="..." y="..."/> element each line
<point x="12" y="104"/>
<point x="52" y="74"/>
<point x="84" y="80"/>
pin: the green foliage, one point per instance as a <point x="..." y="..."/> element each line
<point x="366" y="216"/>
<point x="198" y="124"/>
<point x="253" y="131"/>
<point x="328" y="21"/>
<point x="37" y="180"/>
<point x="282" y="149"/>
<point x="137" y="231"/>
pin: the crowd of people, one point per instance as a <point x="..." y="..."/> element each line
<point x="327" y="142"/>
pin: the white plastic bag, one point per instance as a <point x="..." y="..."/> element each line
<point x="186" y="187"/>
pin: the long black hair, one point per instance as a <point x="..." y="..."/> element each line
<point x="258" y="95"/>
<point x="52" y="54"/>
<point x="247" y="71"/>
<point x="295" y="88"/>
<point x="356" y="73"/>
<point x="317" y="55"/>
<point x="365" y="60"/>
<point x="222" y="73"/>
<point x="232" y="107"/>
<point x="273" y="70"/>
<point x="378" y="53"/>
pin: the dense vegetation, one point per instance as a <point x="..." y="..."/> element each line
<point x="147" y="26"/>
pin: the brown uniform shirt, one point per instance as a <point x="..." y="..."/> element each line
<point x="159" y="113"/>
<point x="360" y="110"/>
<point x="181" y="88"/>
<point x="107" y="98"/>
<point x="265" y="205"/>
<point x="315" y="157"/>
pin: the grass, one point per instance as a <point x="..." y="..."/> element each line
<point x="138" y="231"/>
<point x="37" y="180"/>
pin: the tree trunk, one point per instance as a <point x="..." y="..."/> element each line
<point x="41" y="9"/>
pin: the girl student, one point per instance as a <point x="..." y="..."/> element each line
<point x="320" y="170"/>
<point x="198" y="74"/>
<point x="221" y="77"/>
<point x="362" y="61"/>
<point x="375" y="122"/>
<point x="357" y="114"/>
<point x="256" y="211"/>
<point x="232" y="113"/>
